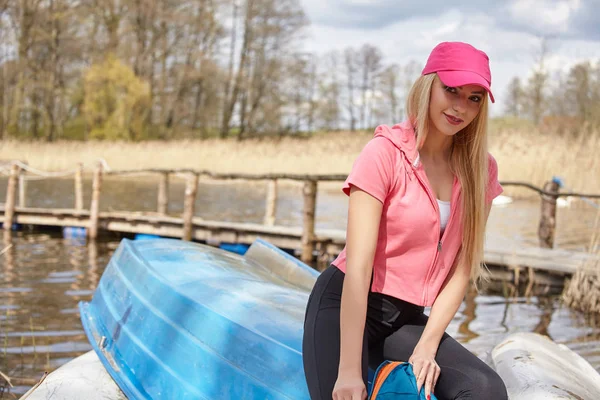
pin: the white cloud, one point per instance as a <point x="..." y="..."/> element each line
<point x="545" y="16"/>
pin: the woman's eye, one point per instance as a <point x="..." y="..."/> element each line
<point x="476" y="99"/>
<point x="450" y="89"/>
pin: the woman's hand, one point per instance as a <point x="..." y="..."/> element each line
<point x="349" y="387"/>
<point x="425" y="368"/>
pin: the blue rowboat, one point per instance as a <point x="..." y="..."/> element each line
<point x="180" y="320"/>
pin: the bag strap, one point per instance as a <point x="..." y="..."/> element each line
<point x="381" y="375"/>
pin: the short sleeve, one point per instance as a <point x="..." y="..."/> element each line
<point x="373" y="170"/>
<point x="494" y="189"/>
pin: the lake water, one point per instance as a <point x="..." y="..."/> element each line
<point x="43" y="275"/>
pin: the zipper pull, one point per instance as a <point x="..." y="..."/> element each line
<point x="439" y="246"/>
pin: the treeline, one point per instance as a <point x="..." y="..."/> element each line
<point x="137" y="69"/>
<point x="566" y="99"/>
<point x="169" y="69"/>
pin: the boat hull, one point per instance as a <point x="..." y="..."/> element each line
<point x="173" y="319"/>
<point x="534" y="367"/>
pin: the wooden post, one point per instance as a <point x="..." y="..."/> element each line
<point x="22" y="189"/>
<point x="189" y="205"/>
<point x="79" y="187"/>
<point x="11" y="193"/>
<point x="163" y="193"/>
<point x="95" y="205"/>
<point x="271" y="207"/>
<point x="548" y="216"/>
<point x="308" y="226"/>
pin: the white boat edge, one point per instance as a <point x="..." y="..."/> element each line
<point x="534" y="367"/>
<point x="83" y="377"/>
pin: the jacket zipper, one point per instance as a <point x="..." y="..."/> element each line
<point x="439" y="248"/>
<point x="440" y="242"/>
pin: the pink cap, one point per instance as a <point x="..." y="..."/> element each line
<point x="459" y="64"/>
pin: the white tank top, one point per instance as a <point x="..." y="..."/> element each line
<point x="444" y="214"/>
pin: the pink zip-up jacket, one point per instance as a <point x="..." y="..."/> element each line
<point x="411" y="259"/>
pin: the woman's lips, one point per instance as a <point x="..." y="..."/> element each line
<point x="453" y="120"/>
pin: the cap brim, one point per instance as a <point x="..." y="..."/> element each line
<point x="462" y="78"/>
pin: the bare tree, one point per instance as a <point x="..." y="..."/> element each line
<point x="579" y="92"/>
<point x="298" y="79"/>
<point x="59" y="30"/>
<point x="350" y="62"/>
<point x="232" y="99"/>
<point x="410" y="72"/>
<point x="329" y="90"/>
<point x="514" y="100"/>
<point x="370" y="65"/>
<point x="389" y="93"/>
<point x="225" y="124"/>
<point x="109" y="14"/>
<point x="23" y="16"/>
<point x="276" y="26"/>
<point x="194" y="40"/>
<point x="536" y="86"/>
<point x="312" y="80"/>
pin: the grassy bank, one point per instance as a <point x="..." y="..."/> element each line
<point x="523" y="152"/>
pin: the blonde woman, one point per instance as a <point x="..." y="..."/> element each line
<point x="419" y="196"/>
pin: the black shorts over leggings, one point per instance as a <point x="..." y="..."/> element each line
<point x="393" y="328"/>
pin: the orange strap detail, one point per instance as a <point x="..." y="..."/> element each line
<point x="382" y="376"/>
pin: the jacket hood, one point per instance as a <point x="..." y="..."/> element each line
<point x="402" y="135"/>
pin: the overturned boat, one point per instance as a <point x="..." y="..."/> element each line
<point x="180" y="320"/>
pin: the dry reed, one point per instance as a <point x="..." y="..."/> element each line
<point x="523" y="152"/>
<point x="583" y="291"/>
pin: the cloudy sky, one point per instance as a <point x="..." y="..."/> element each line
<point x="508" y="31"/>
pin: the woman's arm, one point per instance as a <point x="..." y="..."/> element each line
<point x="444" y="308"/>
<point x="364" y="214"/>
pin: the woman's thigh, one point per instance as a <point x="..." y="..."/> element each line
<point x="463" y="375"/>
<point x="321" y="341"/>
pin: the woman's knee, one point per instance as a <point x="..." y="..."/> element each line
<point x="489" y="385"/>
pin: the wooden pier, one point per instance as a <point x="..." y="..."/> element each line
<point x="508" y="261"/>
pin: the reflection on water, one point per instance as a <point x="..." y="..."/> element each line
<point x="43" y="277"/>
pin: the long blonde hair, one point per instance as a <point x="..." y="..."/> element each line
<point x="469" y="161"/>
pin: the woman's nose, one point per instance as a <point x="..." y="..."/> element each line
<point x="460" y="105"/>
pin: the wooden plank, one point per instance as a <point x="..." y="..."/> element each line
<point x="95" y="205"/>
<point x="271" y="203"/>
<point x="50" y="211"/>
<point x="11" y="193"/>
<point x="79" y="187"/>
<point x="238" y="176"/>
<point x="498" y="251"/>
<point x="556" y="260"/>
<point x="52" y="220"/>
<point x="174" y="231"/>
<point x="189" y="206"/>
<point x="22" y="189"/>
<point x="163" y="194"/>
<point x="308" y="220"/>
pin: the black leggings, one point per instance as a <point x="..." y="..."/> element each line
<point x="393" y="328"/>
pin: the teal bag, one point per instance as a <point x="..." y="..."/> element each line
<point x="395" y="380"/>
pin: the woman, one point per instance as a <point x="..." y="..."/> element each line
<point x="419" y="197"/>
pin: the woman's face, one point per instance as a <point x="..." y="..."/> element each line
<point x="453" y="108"/>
